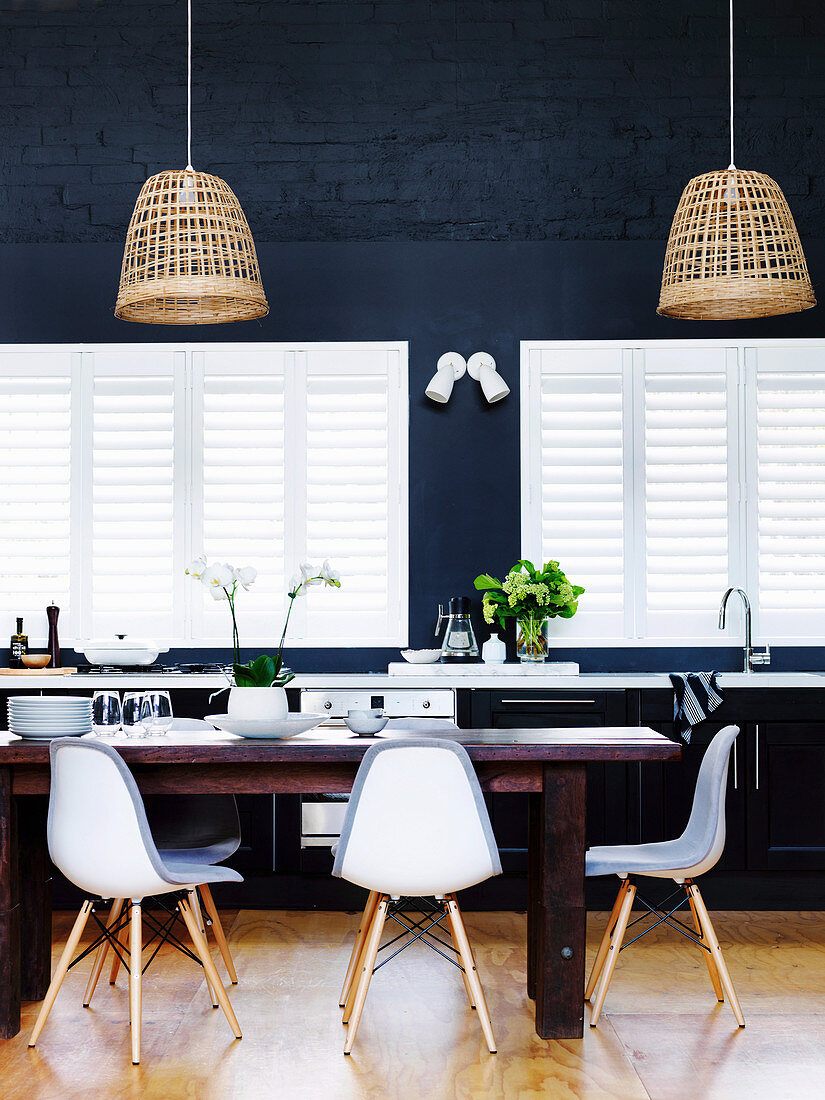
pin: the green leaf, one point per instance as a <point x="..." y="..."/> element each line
<point x="486" y="583"/>
<point x="243" y="676"/>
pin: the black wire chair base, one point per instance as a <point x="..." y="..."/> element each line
<point x="431" y="915"/>
<point x="161" y="931"/>
<point x="666" y="917"/>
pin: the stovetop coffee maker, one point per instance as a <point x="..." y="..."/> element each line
<point x="459" y="643"/>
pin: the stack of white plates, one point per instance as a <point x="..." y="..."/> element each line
<point x="47" y="716"/>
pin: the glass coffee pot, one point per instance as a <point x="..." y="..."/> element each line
<point x="459" y="640"/>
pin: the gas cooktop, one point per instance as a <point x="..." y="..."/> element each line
<point x="154" y="670"/>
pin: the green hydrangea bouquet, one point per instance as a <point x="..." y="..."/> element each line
<point x="531" y="596"/>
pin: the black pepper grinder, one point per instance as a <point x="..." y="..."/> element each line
<point x="52" y="611"/>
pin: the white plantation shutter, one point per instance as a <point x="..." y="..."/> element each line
<point x="35" y="489"/>
<point x="132" y="544"/>
<point x="788" y="479"/>
<point x="576" y="480"/>
<point x="683" y="488"/>
<point x="300" y="455"/>
<point x="242" y="516"/>
<point x="354" y="495"/>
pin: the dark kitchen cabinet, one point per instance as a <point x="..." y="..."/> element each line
<point x="606" y="783"/>
<point x="786" y="796"/>
<point x="776" y="779"/>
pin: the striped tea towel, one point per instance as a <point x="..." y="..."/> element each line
<point x="696" y="697"/>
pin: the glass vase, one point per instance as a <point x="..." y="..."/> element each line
<point x="532" y="637"/>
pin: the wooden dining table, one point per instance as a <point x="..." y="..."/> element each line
<point x="546" y="765"/>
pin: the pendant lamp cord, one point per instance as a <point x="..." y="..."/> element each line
<point x="731" y="165"/>
<point x="188" y="85"/>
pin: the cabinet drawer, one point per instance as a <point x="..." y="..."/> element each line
<point x="551" y="701"/>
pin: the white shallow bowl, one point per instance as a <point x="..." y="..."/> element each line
<point x="421" y="656"/>
<point x="364" y="724"/>
<point x="44" y="723"/>
<point x="41" y="702"/>
<point x="277" y="729"/>
<point x="42" y="735"/>
<point x="15" y="708"/>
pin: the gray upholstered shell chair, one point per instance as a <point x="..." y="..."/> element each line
<point x="99" y="837"/>
<point x="416" y="828"/>
<point x="195" y="828"/>
<point x="683" y="860"/>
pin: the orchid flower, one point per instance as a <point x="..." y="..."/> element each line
<point x="329" y="576"/>
<point x="197" y="567"/>
<point x="245" y="576"/>
<point x="223" y="580"/>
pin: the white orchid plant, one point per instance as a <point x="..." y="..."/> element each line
<point x="224" y="581"/>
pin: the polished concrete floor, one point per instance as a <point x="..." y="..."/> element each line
<point x="662" y="1035"/>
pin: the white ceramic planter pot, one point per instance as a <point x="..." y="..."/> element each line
<point x="257" y="702"/>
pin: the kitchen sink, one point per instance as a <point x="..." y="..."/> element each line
<point x="771" y="679"/>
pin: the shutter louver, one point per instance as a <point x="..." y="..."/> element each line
<point x="243" y="494"/>
<point x="351" y="511"/>
<point x="35" y="490"/>
<point x="685" y="500"/>
<point x="133" y="478"/>
<point x="346" y="504"/>
<point x="582" y="491"/>
<point x="790" y="446"/>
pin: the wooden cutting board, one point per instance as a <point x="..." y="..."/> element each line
<point x="37" y="671"/>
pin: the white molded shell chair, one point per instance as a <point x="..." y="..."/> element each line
<point x="192" y="828"/>
<point x="99" y="837"/>
<point x="416" y="827"/>
<point x="696" y="851"/>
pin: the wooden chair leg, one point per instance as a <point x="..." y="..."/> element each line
<point x="198" y="938"/>
<point x="196" y="913"/>
<point x="373" y="942"/>
<point x="359" y="963"/>
<point x="709" y="960"/>
<point x="60" y="972"/>
<point x="217" y="929"/>
<point x="470" y="970"/>
<point x="102" y="951"/>
<point x="612" y="953"/>
<point x="601" y="954"/>
<point x="366" y="920"/>
<point x="135" y="976"/>
<point x="709" y="936"/>
<point x="123" y="940"/>
<point x="467" y="986"/>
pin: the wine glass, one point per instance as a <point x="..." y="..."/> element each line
<point x="132" y="719"/>
<point x="156" y="712"/>
<point x="106" y="712"/>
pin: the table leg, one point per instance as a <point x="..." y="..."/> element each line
<point x="534" y="857"/>
<point x="35" y="879"/>
<point x="9" y="912"/>
<point x="559" y="929"/>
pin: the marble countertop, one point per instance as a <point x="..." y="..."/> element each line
<point x="508" y="677"/>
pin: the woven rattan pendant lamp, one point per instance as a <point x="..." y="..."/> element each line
<point x="733" y="250"/>
<point x="189" y="257"/>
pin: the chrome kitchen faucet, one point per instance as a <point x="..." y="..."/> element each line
<point x="751" y="658"/>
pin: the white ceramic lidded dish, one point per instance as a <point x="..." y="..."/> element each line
<point x="122" y="650"/>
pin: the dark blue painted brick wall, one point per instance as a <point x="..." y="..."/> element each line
<point x="405" y="119"/>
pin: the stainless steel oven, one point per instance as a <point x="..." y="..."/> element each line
<point x="322" y="815"/>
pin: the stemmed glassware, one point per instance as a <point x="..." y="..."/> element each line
<point x="106" y="712"/>
<point x="132" y="718"/>
<point x="156" y="712"/>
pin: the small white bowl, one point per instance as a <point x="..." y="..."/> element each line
<point x="421" y="656"/>
<point x="365" y="722"/>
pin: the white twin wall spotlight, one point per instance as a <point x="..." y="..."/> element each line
<point x="481" y="366"/>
